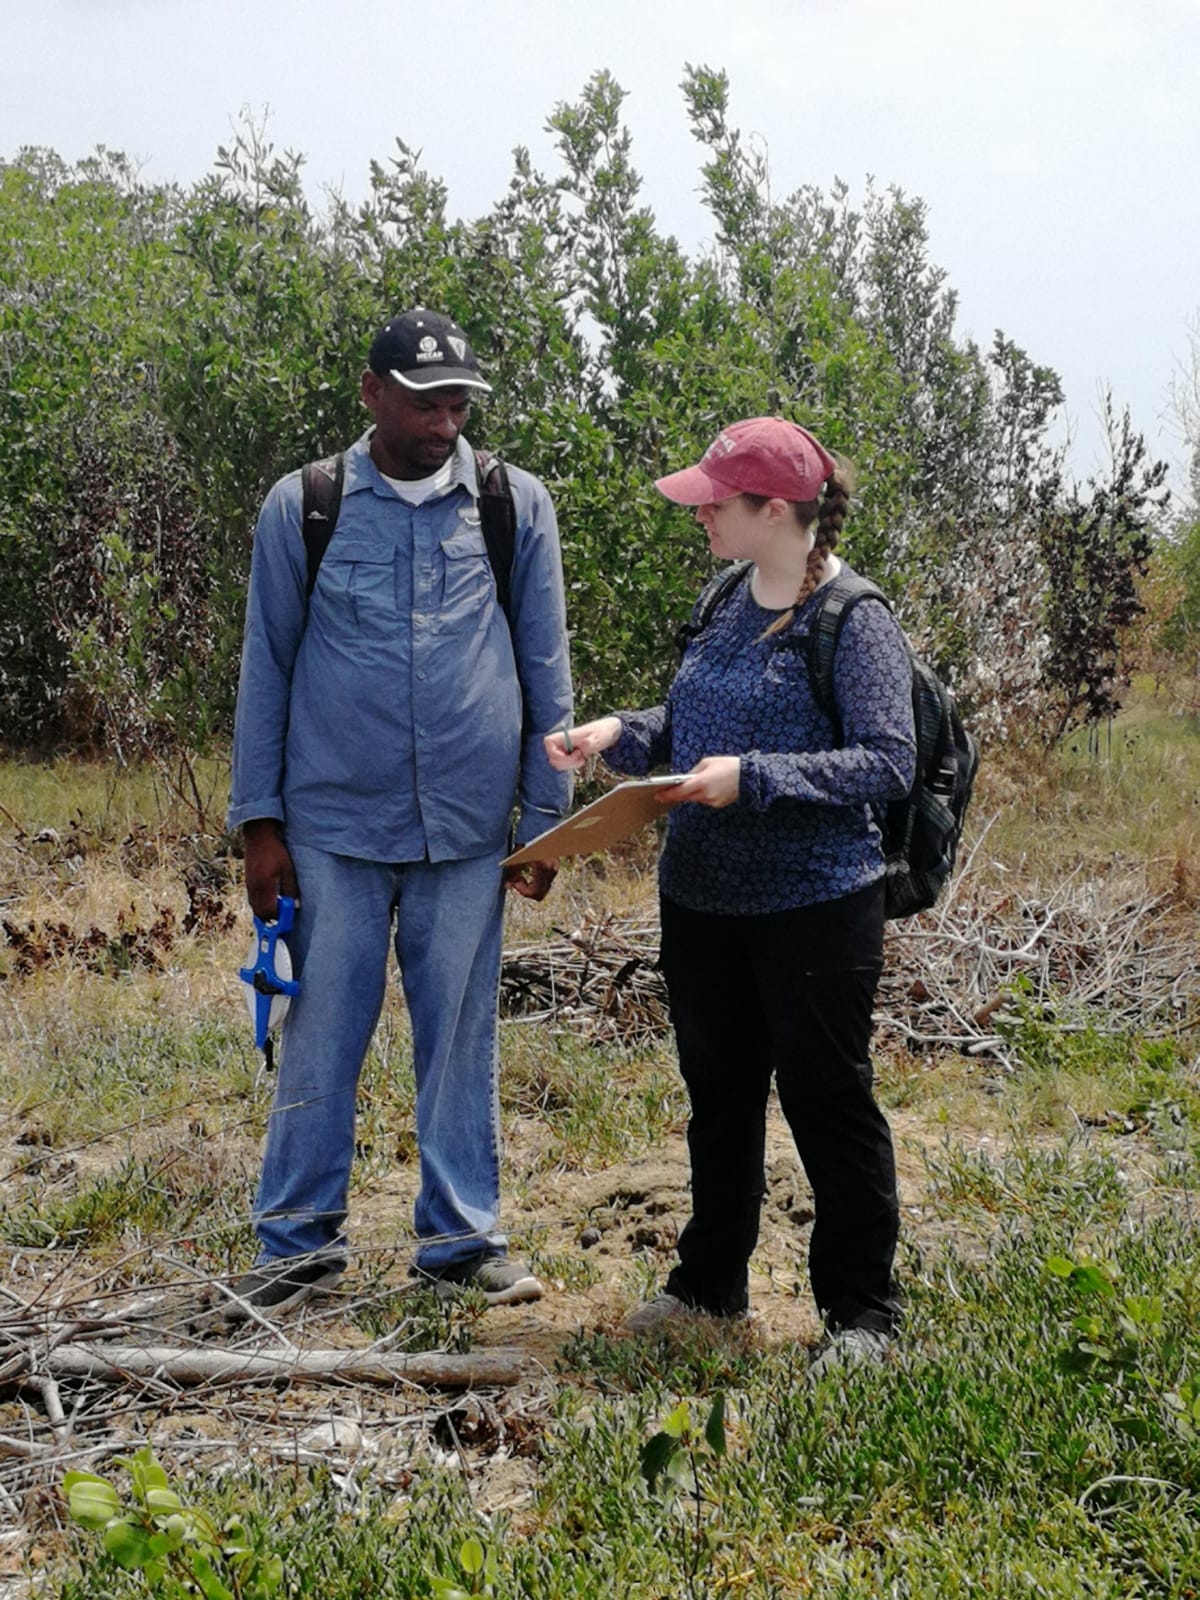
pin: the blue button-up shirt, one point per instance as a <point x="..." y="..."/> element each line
<point x="394" y="716"/>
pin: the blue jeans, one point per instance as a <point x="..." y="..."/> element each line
<point x="448" y="938"/>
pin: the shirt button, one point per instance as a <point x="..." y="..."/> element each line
<point x="421" y="675"/>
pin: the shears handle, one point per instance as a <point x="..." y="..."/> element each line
<point x="262" y="976"/>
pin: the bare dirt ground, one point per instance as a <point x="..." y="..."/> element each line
<point x="624" y="1219"/>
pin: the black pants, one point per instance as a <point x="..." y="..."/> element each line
<point x="790" y="995"/>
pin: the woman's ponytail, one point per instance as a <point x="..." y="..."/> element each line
<point x="829" y="514"/>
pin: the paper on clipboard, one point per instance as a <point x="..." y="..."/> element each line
<point x="614" y="816"/>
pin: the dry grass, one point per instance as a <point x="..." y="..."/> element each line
<point x="1127" y="797"/>
<point x="1126" y="815"/>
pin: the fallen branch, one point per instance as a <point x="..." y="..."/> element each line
<point x="171" y="1363"/>
<point x="51" y="1402"/>
<point x="27" y="1449"/>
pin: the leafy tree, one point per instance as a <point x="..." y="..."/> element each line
<point x="84" y="260"/>
<point x="257" y="362"/>
<point x="1185" y="406"/>
<point x="167" y="355"/>
<point x="1178" y="563"/>
<point x="1181" y="561"/>
<point x="1095" y="550"/>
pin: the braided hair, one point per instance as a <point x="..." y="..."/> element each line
<point x="829" y="514"/>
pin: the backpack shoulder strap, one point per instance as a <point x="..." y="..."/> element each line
<point x="713" y="595"/>
<point x="839" y="597"/>
<point x="498" y="518"/>
<point x="320" y="503"/>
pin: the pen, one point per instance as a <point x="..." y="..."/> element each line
<point x="565" y="730"/>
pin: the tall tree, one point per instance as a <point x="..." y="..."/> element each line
<point x="1096" y="548"/>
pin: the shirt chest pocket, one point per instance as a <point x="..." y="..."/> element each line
<point x="357" y="584"/>
<point x="466" y="575"/>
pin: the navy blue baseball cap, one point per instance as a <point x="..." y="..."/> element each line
<point x="425" y="350"/>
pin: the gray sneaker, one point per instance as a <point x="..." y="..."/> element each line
<point x="278" y="1285"/>
<point x="500" y="1281"/>
<point x="656" y="1313"/>
<point x="668" y="1308"/>
<point x="850" y="1347"/>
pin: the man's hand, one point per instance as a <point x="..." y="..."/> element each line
<point x="268" y="868"/>
<point x="532" y="879"/>
<point x="715" y="781"/>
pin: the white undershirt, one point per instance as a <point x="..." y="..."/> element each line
<point x="416" y="490"/>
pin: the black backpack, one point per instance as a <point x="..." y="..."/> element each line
<point x="321" y="482"/>
<point x="921" y="831"/>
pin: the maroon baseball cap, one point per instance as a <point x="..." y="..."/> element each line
<point x="763" y="455"/>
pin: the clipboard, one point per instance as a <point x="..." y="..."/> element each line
<point x="614" y="816"/>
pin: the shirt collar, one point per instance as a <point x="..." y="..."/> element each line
<point x="362" y="473"/>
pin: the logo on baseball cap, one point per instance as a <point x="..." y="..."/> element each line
<point x="425" y="350"/>
<point x="763" y="455"/>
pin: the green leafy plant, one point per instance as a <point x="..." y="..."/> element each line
<point x="674" y="1461"/>
<point x="1111" y="1330"/>
<point x="179" y="1550"/>
<point x="478" y="1568"/>
<point x="1183" y="1406"/>
<point x="1124" y="1342"/>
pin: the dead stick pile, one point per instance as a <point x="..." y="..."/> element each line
<point x="1112" y="953"/>
<point x="90" y="1372"/>
<point x="601" y="979"/>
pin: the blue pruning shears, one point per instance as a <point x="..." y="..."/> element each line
<point x="269" y="975"/>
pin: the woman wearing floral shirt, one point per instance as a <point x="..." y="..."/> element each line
<point x="771" y="884"/>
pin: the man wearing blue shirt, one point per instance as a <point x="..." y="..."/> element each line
<point x="386" y="728"/>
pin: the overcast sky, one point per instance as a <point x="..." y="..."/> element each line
<point x="1055" y="142"/>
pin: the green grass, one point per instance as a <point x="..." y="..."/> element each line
<point x="408" y="1316"/>
<point x="979" y="1428"/>
<point x="1002" y="1451"/>
<point x="104" y="800"/>
<point x="1037" y="1431"/>
<point x="1035" y="1434"/>
<point x="593" y="1102"/>
<point x="1072" y="1185"/>
<point x="988" y="1457"/>
<point x="160" y="1196"/>
<point x="89" y="1076"/>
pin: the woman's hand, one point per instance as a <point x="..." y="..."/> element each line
<point x="588" y="739"/>
<point x="715" y="781"/>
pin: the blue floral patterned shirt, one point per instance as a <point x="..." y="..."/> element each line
<point x="801" y="829"/>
